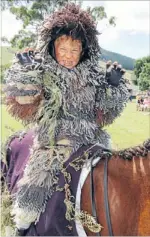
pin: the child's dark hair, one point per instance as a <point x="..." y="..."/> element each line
<point x="75" y="31"/>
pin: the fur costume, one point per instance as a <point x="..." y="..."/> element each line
<point x="74" y="104"/>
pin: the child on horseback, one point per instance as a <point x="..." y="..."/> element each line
<point x="67" y="98"/>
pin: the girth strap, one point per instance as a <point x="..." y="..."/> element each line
<point x="106" y="201"/>
<point x="92" y="193"/>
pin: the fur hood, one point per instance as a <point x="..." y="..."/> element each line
<point x="70" y="20"/>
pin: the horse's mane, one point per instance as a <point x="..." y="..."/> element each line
<point x="126" y="154"/>
<point x="137" y="151"/>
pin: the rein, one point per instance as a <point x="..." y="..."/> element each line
<point x="106" y="201"/>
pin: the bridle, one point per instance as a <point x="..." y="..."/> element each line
<point x="105" y="182"/>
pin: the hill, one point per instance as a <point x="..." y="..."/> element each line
<point x="126" y="62"/>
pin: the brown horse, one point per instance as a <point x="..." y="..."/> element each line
<point x="128" y="192"/>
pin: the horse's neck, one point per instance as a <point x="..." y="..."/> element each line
<point x="135" y="169"/>
<point x="134" y="176"/>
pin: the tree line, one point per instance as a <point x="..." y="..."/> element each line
<point x="142" y="73"/>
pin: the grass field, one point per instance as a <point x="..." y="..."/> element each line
<point x="7" y="55"/>
<point x="7" y="124"/>
<point x="130" y="129"/>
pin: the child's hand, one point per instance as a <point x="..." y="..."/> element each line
<point x="114" y="73"/>
<point x="29" y="58"/>
<point x="28" y="93"/>
<point x="25" y="57"/>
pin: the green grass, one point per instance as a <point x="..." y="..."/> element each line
<point x="130" y="129"/>
<point x="8" y="123"/>
<point x="7" y="55"/>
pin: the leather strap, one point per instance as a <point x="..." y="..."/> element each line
<point x="92" y="191"/>
<point x="93" y="205"/>
<point x="106" y="201"/>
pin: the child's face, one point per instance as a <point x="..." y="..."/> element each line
<point x="67" y="51"/>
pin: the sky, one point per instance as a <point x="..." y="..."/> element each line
<point x="130" y="37"/>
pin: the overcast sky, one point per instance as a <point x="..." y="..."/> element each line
<point x="130" y="37"/>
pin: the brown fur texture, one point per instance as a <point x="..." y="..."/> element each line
<point x="27" y="112"/>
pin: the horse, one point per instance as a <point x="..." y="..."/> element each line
<point x="128" y="192"/>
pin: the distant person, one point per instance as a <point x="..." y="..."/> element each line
<point x="141" y="100"/>
<point x="130" y="98"/>
<point x="138" y="103"/>
<point x="146" y="103"/>
<point x="148" y="93"/>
